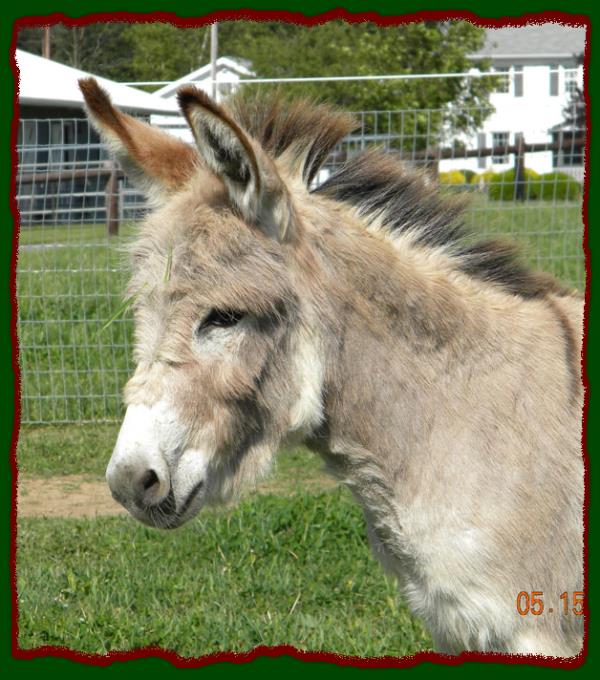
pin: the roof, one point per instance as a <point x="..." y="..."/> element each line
<point x="224" y="65"/>
<point x="44" y="82"/>
<point x="535" y="40"/>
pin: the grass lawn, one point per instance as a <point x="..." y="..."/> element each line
<point x="273" y="571"/>
<point x="290" y="565"/>
<point x="550" y="234"/>
<point x="71" y="234"/>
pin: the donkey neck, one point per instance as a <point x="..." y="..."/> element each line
<point x="403" y="325"/>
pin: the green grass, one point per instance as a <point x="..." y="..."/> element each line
<point x="71" y="234"/>
<point x="74" y="371"/>
<point x="550" y="234"/>
<point x="45" y="451"/>
<point x="274" y="571"/>
<point x="290" y="565"/>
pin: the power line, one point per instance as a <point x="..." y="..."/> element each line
<point x="319" y="79"/>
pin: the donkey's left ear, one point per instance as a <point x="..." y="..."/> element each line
<point x="254" y="186"/>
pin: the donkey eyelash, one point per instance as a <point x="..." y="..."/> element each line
<point x="221" y="318"/>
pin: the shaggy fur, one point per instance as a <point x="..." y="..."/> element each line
<point x="305" y="132"/>
<point x="382" y="190"/>
<point x="441" y="382"/>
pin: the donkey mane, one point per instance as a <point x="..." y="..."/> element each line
<point x="384" y="192"/>
<point x="406" y="202"/>
<point x="306" y="129"/>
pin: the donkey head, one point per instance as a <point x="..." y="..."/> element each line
<point x="227" y="351"/>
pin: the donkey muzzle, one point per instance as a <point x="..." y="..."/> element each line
<point x="150" y="473"/>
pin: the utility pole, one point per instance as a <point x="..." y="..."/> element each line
<point x="214" y="49"/>
<point x="46" y="42"/>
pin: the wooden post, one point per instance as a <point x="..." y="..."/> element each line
<point x="432" y="163"/>
<point x="214" y="50"/>
<point x="520" y="167"/>
<point x="46" y="42"/>
<point x="112" y="202"/>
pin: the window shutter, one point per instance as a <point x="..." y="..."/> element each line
<point x="554" y="81"/>
<point x="481" y="145"/>
<point x="518" y="81"/>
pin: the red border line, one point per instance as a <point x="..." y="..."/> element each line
<point x="15" y="343"/>
<point x="283" y="650"/>
<point x="563" y="18"/>
<point x="586" y="320"/>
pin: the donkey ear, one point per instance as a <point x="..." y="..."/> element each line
<point x="157" y="162"/>
<point x="250" y="177"/>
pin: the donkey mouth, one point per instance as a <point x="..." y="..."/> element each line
<point x="167" y="514"/>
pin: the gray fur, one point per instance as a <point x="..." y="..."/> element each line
<point x="444" y="393"/>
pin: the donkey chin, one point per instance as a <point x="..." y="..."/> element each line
<point x="152" y="473"/>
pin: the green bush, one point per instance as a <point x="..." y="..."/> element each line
<point x="501" y="186"/>
<point x="557" y="186"/>
<point x="452" y="177"/>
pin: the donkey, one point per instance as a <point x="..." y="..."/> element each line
<point x="438" y="378"/>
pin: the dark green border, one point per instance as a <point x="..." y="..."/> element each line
<point x="189" y="8"/>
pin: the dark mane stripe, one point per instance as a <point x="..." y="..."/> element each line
<point x="382" y="189"/>
<point x="405" y="201"/>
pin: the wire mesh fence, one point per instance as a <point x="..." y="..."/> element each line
<point x="78" y="211"/>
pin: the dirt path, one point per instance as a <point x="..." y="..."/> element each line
<point x="80" y="496"/>
<point x="68" y="496"/>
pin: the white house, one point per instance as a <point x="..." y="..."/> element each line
<point x="540" y="70"/>
<point x="229" y="73"/>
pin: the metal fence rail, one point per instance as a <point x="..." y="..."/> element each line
<point x="78" y="212"/>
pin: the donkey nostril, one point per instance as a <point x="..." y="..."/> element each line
<point x="149" y="480"/>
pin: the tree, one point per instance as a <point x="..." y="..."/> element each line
<point x="162" y="52"/>
<point x="337" y="48"/>
<point x="101" y="48"/>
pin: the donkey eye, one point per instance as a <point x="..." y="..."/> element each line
<point x="221" y="318"/>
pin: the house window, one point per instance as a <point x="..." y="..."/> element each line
<point x="554" y="81"/>
<point x="503" y="80"/>
<point x="27" y="133"/>
<point x="570" y="81"/>
<point x="500" y="139"/>
<point x="56" y="142"/>
<point x="569" y="153"/>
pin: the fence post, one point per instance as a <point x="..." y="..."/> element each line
<point x="112" y="202"/>
<point x="520" y="167"/>
<point x="432" y="162"/>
